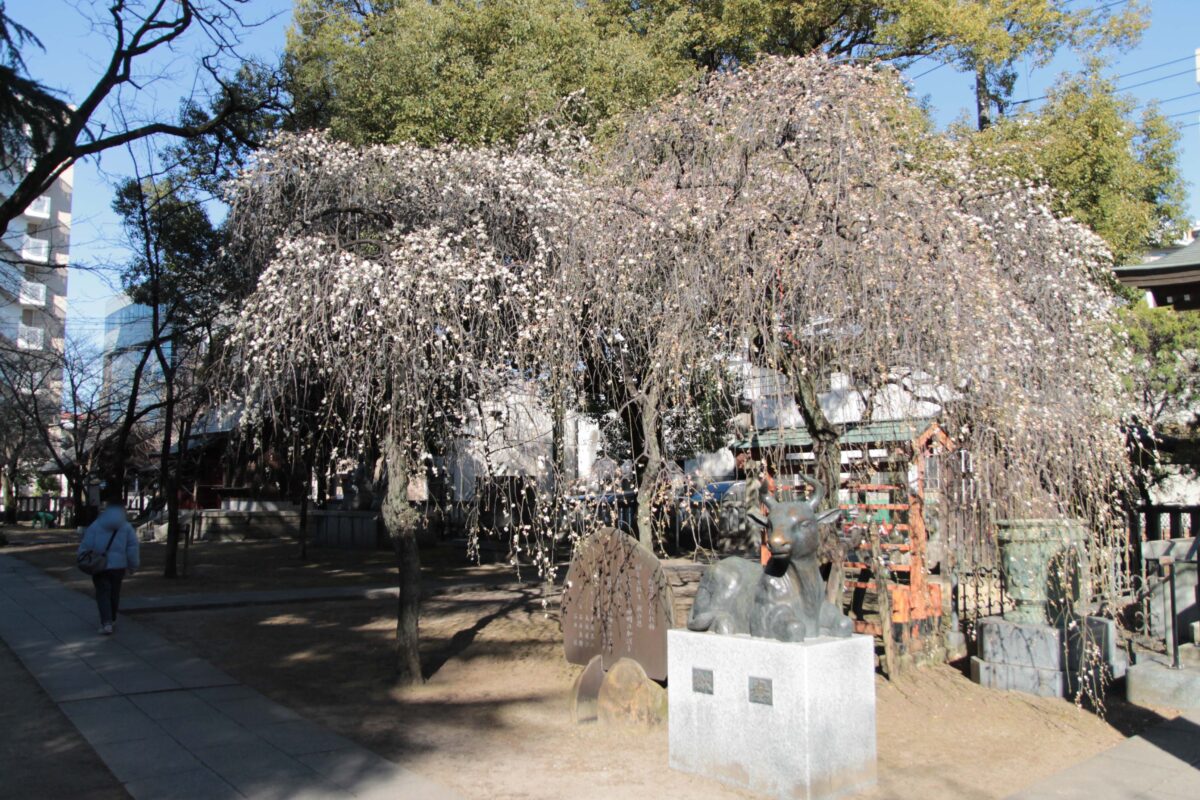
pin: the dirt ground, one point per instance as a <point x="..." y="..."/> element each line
<point x="492" y="719"/>
<point x="41" y="752"/>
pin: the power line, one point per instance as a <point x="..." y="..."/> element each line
<point x="1153" y="80"/>
<point x="1168" y="100"/>
<point x="1131" y="74"/>
<point x="1106" y="6"/>
<point x="1183" y="113"/>
<point x="1119" y="88"/>
<point x="1156" y="66"/>
<point x="929" y="71"/>
<point x="1117" y="77"/>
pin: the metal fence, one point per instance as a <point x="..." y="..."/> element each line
<point x="979" y="593"/>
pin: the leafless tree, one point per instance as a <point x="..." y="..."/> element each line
<point x="107" y="117"/>
<point x="58" y="400"/>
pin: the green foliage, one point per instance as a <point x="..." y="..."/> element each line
<point x="994" y="33"/>
<point x="206" y="162"/>
<point x="1116" y="173"/>
<point x="477" y="71"/>
<point x="471" y="72"/>
<point x="1166" y="342"/>
<point x="974" y="34"/>
<point x="716" y="33"/>
<point x="969" y="32"/>
<point x="30" y="113"/>
<point x="987" y="37"/>
<point x="176" y="247"/>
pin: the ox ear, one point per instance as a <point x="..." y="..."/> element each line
<point x="757" y="518"/>
<point x="829" y="516"/>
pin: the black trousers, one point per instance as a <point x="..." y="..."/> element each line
<point x="108" y="593"/>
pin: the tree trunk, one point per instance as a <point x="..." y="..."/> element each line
<point x="401" y="522"/>
<point x="983" y="99"/>
<point x="883" y="595"/>
<point x="652" y="460"/>
<point x="75" y="482"/>
<point x="115" y="473"/>
<point x="826" y="448"/>
<point x="558" y="439"/>
<point x="10" y="492"/>
<point x="304" y="527"/>
<point x="827" y="455"/>
<point x="170" y="486"/>
<point x="321" y="465"/>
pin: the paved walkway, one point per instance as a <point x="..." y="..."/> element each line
<point x="1163" y="763"/>
<point x="170" y="725"/>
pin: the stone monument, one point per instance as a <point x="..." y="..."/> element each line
<point x="617" y="606"/>
<point x="769" y="690"/>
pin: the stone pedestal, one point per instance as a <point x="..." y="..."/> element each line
<point x="1152" y="682"/>
<point x="1034" y="659"/>
<point x="787" y="719"/>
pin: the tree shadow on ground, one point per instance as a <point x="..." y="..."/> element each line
<point x="337" y="660"/>
<point x="39" y="740"/>
<point x="465" y="637"/>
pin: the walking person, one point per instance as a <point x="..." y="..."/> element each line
<point x="112" y="535"/>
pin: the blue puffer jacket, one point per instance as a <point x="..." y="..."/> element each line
<point x="124" y="552"/>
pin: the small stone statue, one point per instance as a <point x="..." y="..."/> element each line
<point x="783" y="599"/>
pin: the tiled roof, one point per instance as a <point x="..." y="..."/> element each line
<point x="1184" y="258"/>
<point x="898" y="430"/>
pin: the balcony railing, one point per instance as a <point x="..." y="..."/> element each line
<point x="39" y="208"/>
<point x="29" y="338"/>
<point x="33" y="249"/>
<point x="32" y="293"/>
<point x="11" y="277"/>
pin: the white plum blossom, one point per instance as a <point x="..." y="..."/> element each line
<point x="798" y="205"/>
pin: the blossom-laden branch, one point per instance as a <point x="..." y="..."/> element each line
<point x="798" y="214"/>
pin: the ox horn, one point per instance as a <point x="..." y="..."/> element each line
<point x="818" y="491"/>
<point x="766" y="496"/>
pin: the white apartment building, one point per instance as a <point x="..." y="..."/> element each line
<point x="34" y="253"/>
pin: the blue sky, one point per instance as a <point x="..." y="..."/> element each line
<point x="1173" y="34"/>
<point x="76" y="43"/>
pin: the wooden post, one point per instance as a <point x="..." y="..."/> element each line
<point x="836" y="585"/>
<point x="883" y="583"/>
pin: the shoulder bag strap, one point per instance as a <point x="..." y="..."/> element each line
<point x="110" y="541"/>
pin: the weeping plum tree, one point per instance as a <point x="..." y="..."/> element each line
<point x="802" y="212"/>
<point x="797" y="214"/>
<point x="409" y="283"/>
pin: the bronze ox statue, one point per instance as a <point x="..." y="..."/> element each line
<point x="783" y="599"/>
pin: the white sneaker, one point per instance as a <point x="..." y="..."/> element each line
<point x="106" y="629"/>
